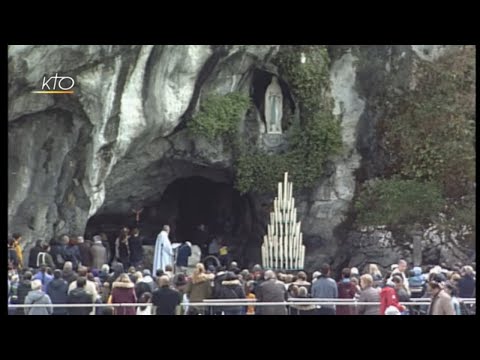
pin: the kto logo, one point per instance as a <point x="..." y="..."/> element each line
<point x="56" y="85"/>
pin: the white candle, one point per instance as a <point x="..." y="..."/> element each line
<point x="301" y="252"/>
<point x="270" y="254"/>
<point x="290" y="251"/>
<point x="280" y="251"/>
<point x="303" y="256"/>
<point x="280" y="192"/>
<point x="297" y="250"/>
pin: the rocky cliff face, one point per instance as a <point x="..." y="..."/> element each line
<point x="121" y="137"/>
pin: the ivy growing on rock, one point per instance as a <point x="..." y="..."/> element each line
<point x="313" y="140"/>
<point x="430" y="135"/>
<point x="396" y="201"/>
<point x="219" y="116"/>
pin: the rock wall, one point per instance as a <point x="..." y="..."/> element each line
<point x="121" y="138"/>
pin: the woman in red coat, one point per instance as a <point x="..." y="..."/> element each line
<point x="123" y="291"/>
<point x="388" y="297"/>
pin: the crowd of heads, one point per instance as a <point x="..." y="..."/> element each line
<point x="104" y="283"/>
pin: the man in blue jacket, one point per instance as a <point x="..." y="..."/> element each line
<point x="325" y="288"/>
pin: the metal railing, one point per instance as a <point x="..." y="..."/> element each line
<point x="244" y="302"/>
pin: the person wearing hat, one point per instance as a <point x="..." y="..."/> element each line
<point x="441" y="302"/>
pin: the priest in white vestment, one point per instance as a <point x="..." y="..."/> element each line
<point x="163" y="251"/>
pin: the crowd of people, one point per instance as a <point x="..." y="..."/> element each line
<point x="77" y="271"/>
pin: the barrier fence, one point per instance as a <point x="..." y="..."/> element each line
<point x="247" y="302"/>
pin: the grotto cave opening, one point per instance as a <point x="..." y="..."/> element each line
<point x="186" y="203"/>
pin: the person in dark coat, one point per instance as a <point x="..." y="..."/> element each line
<point x="346" y="290"/>
<point x="271" y="290"/>
<point x="135" y="243"/>
<point x="84" y="251"/>
<point x="57" y="290"/>
<point x="200" y="237"/>
<point x="231" y="288"/>
<point x="79" y="296"/>
<point x="57" y="251"/>
<point x="165" y="299"/>
<point x="141" y="287"/>
<point x="123" y="292"/>
<point x="32" y="258"/>
<point x="117" y="271"/>
<point x="183" y="253"/>
<point x="23" y="289"/>
<point x="72" y="254"/>
<point x="466" y="285"/>
<point x="68" y="274"/>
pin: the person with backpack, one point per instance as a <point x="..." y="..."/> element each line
<point x="32" y="257"/>
<point x="44" y="258"/>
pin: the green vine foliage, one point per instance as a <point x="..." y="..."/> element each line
<point x="433" y="131"/>
<point x="430" y="134"/>
<point x="219" y="116"/>
<point x="312" y="141"/>
<point x="396" y="202"/>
